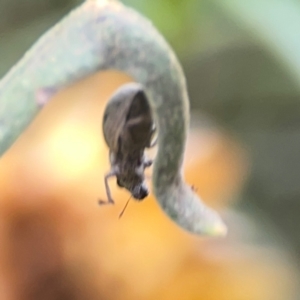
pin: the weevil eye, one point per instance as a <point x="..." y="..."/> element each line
<point x="119" y="183"/>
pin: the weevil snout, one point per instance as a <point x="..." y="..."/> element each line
<point x="140" y="192"/>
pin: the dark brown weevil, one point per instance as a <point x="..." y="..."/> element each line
<point x="128" y="129"/>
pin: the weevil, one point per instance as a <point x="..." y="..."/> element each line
<point x="128" y="129"/>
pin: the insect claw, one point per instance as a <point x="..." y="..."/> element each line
<point x="148" y="163"/>
<point x="102" y="202"/>
<point x="194" y="188"/>
<point x="153" y="143"/>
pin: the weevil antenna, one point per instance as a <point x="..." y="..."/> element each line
<point x="122" y="212"/>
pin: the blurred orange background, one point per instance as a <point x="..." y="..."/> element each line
<point x="57" y="243"/>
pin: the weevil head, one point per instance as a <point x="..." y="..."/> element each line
<point x="131" y="175"/>
<point x="135" y="184"/>
<point x="140" y="191"/>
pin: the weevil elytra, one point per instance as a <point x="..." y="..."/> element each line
<point x="128" y="129"/>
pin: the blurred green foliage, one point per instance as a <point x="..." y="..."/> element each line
<point x="174" y="18"/>
<point x="274" y="24"/>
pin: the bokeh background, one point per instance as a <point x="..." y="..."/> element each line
<point x="242" y="63"/>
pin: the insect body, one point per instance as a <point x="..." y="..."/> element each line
<point x="128" y="129"/>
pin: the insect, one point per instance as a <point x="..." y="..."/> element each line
<point x="128" y="129"/>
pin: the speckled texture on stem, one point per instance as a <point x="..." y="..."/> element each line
<point x="101" y="35"/>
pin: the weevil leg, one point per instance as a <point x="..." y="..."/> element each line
<point x="108" y="193"/>
<point x="194" y="188"/>
<point x="148" y="163"/>
<point x="153" y="143"/>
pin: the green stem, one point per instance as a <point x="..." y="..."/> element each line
<point x="101" y="35"/>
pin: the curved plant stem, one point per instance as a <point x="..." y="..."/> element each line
<point x="101" y="35"/>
